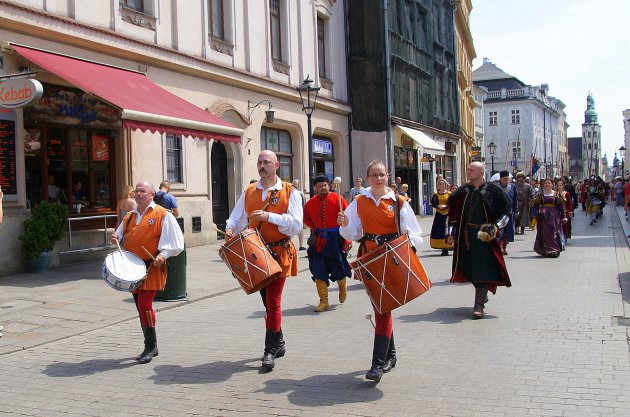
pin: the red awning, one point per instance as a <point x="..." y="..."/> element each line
<point x="144" y="104"/>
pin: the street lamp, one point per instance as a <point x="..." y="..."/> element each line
<point x="622" y="153"/>
<point x="308" y="94"/>
<point x="492" y="148"/>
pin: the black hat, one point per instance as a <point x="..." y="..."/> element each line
<point x="321" y="178"/>
<point x="504" y="173"/>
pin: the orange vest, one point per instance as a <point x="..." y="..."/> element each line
<point x="279" y="204"/>
<point x="377" y="220"/>
<point x="147" y="233"/>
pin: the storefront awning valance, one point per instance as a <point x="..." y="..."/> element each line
<point x="423" y="140"/>
<point x="144" y="104"/>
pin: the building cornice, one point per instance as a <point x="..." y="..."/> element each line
<point x="33" y="22"/>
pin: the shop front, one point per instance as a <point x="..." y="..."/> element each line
<point x="406" y="163"/>
<point x="74" y="144"/>
<point x="428" y="149"/>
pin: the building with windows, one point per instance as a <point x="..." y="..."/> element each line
<point x="478" y="150"/>
<point x="465" y="55"/>
<point x="527" y="125"/>
<point x="149" y="90"/>
<point x="403" y="89"/>
<point x="591" y="141"/>
<point x="576" y="169"/>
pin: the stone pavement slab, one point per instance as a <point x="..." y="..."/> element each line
<point x="550" y="345"/>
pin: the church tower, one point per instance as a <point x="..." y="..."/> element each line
<point x="591" y="140"/>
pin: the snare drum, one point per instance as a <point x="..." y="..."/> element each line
<point x="392" y="274"/>
<point x="250" y="261"/>
<point x="123" y="271"/>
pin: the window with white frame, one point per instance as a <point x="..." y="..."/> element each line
<point x="493" y="118"/>
<point x="174" y="158"/>
<point x="275" y="29"/>
<point x="516" y="117"/>
<point x="133" y="4"/>
<point x="321" y="46"/>
<point x="279" y="141"/>
<point x="516" y="149"/>
<point x="217" y="19"/>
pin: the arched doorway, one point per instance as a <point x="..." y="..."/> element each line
<point x="220" y="205"/>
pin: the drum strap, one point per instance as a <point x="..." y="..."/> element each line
<point x="397" y="213"/>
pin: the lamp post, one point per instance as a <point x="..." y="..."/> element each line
<point x="622" y="153"/>
<point x="492" y="148"/>
<point x="308" y="94"/>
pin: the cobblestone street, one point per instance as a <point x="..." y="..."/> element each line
<point x="555" y="344"/>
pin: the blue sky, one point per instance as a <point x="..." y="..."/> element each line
<point x="575" y="46"/>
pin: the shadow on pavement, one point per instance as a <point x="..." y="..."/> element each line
<point x="87" y="270"/>
<point x="90" y="367"/>
<point x="207" y="373"/>
<point x="624" y="283"/>
<point x="444" y="315"/>
<point x="326" y="390"/>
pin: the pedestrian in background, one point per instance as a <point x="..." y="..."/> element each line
<point x="164" y="198"/>
<point x="296" y="185"/>
<point x="440" y="219"/>
<point x="549" y="217"/>
<point x="357" y="189"/>
<point x="524" y="193"/>
<point x="507" y="233"/>
<point x="126" y="203"/>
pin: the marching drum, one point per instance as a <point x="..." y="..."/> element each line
<point x="250" y="261"/>
<point x="392" y="274"/>
<point x="123" y="271"/>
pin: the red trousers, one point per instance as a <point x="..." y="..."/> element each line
<point x="273" y="301"/>
<point x="383" y="324"/>
<point x="144" y="305"/>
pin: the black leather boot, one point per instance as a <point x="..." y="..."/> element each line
<point x="381" y="344"/>
<point x="280" y="350"/>
<point x="481" y="297"/>
<point x="390" y="359"/>
<point x="271" y="345"/>
<point x="150" y="346"/>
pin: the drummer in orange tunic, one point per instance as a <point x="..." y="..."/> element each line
<point x="370" y="219"/>
<point x="281" y="219"/>
<point x="154" y="228"/>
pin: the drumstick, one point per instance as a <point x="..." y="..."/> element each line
<point x="119" y="250"/>
<point x="249" y="225"/>
<point x="337" y="180"/>
<point x="218" y="230"/>
<point x="148" y="253"/>
<point x="368" y="316"/>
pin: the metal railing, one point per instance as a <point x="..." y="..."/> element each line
<point x="105" y="246"/>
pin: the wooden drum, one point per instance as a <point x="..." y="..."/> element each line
<point x="392" y="274"/>
<point x="250" y="261"/>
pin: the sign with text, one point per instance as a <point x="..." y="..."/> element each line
<point x="19" y="92"/>
<point x="8" y="172"/>
<point x="100" y="148"/>
<point x="322" y="147"/>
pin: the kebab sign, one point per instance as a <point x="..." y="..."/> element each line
<point x="19" y="92"/>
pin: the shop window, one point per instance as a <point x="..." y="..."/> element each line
<point x="174" y="158"/>
<point x="69" y="166"/>
<point x="280" y="142"/>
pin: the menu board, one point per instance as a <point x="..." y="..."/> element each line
<point x="55" y="148"/>
<point x="8" y="178"/>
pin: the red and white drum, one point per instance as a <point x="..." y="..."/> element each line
<point x="392" y="274"/>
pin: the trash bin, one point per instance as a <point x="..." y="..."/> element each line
<point x="175" y="288"/>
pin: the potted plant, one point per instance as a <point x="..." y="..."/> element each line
<point x="41" y="232"/>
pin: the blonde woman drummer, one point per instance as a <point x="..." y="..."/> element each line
<point x="370" y="219"/>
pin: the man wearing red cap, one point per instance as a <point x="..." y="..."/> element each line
<point x="327" y="250"/>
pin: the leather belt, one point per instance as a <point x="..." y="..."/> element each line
<point x="379" y="239"/>
<point x="280" y="242"/>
